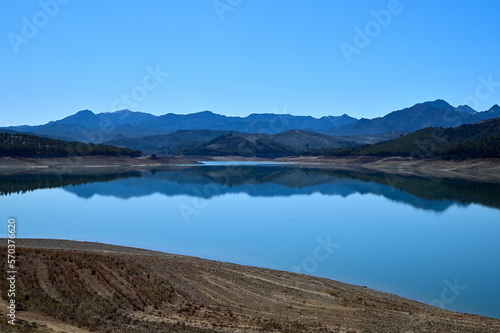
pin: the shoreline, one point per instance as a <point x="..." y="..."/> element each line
<point x="483" y="170"/>
<point x="223" y="296"/>
<point x="12" y="165"/>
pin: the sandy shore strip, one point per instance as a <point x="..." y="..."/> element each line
<point x="484" y="170"/>
<point x="54" y="165"/>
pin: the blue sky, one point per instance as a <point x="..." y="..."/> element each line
<point x="237" y="57"/>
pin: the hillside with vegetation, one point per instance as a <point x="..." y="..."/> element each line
<point x="167" y="144"/>
<point x="236" y="144"/>
<point x="32" y="146"/>
<point x="480" y="140"/>
<point x="182" y="140"/>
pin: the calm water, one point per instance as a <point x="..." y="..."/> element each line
<point x="431" y="240"/>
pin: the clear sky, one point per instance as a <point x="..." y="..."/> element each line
<point x="236" y="57"/>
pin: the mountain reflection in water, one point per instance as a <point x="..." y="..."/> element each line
<point x="264" y="181"/>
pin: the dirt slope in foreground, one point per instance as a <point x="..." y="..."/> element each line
<point x="67" y="286"/>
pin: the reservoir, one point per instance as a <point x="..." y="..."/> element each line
<point x="432" y="240"/>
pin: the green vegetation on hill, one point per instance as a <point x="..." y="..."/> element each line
<point x="183" y="140"/>
<point x="170" y="143"/>
<point x="475" y="140"/>
<point x="25" y="145"/>
<point x="487" y="148"/>
<point x="232" y="144"/>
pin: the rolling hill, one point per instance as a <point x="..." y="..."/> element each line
<point x="303" y="140"/>
<point x="179" y="141"/>
<point x="477" y="140"/>
<point x="168" y="144"/>
<point x="24" y="145"/>
<point x="238" y="144"/>
<point x="293" y="142"/>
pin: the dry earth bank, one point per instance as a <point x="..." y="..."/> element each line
<point x="68" y="286"/>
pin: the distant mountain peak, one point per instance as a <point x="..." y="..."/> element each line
<point x="121" y="111"/>
<point x="440" y="104"/>
<point x="83" y="117"/>
<point x="466" y="108"/>
<point x="493" y="112"/>
<point x="85" y="112"/>
<point x="437" y="113"/>
<point x="127" y="112"/>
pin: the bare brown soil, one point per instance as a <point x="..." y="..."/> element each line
<point x="67" y="286"/>
<point x="486" y="170"/>
<point x="85" y="163"/>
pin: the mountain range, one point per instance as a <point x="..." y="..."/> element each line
<point x="437" y="113"/>
<point x="87" y="126"/>
<point x="283" y="134"/>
